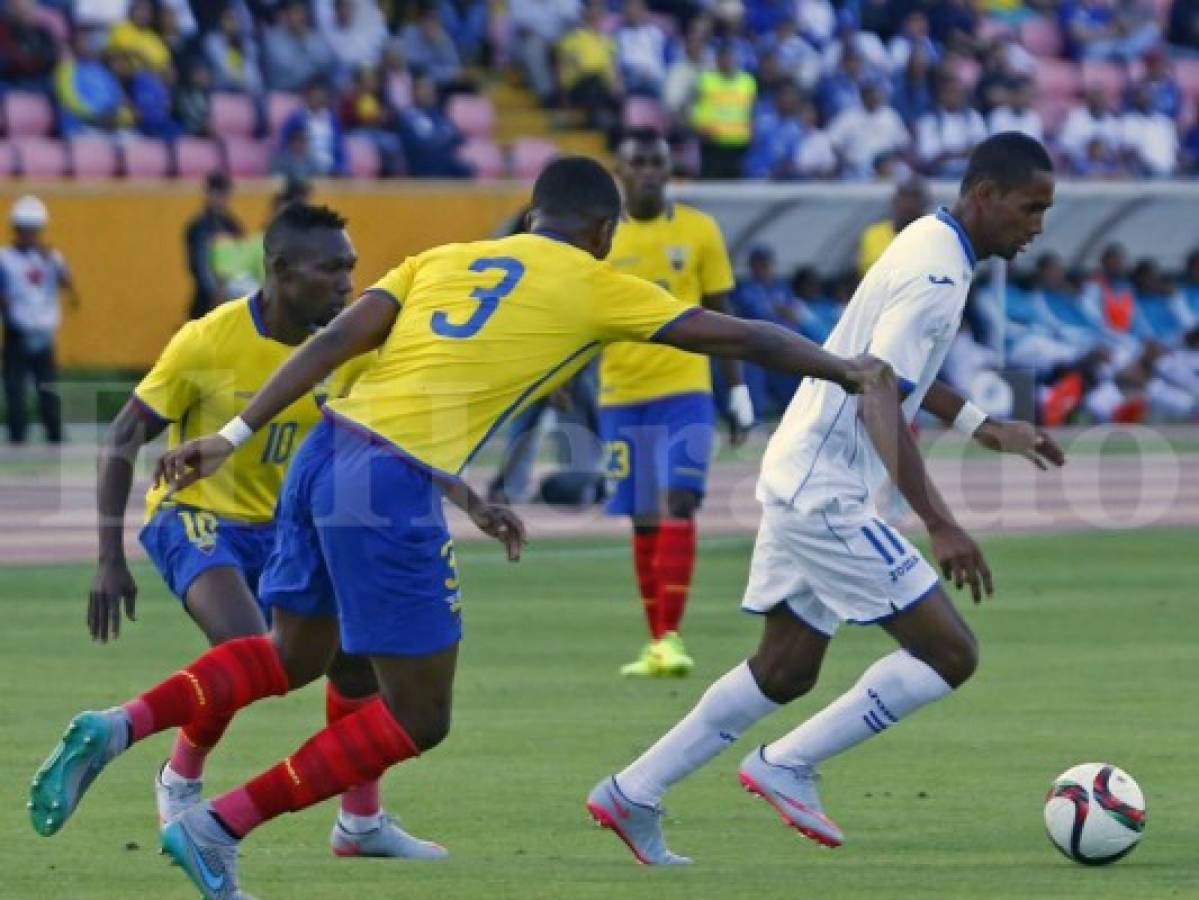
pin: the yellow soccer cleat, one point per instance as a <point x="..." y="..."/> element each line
<point x="669" y="657"/>
<point x="643" y="664"/>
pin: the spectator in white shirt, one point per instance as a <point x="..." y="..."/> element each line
<point x="1017" y="113"/>
<point x="355" y="29"/>
<point x="861" y="135"/>
<point x="816" y="20"/>
<point x="815" y="156"/>
<point x="1149" y="139"/>
<point x="296" y="53"/>
<point x="795" y="55"/>
<point x="867" y="43"/>
<point x="641" y="50"/>
<point x="537" y="26"/>
<point x="678" y="91"/>
<point x="1093" y="121"/>
<point x="945" y="136"/>
<point x="915" y="32"/>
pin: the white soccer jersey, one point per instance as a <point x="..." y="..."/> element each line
<point x="30" y="280"/>
<point x="906" y="312"/>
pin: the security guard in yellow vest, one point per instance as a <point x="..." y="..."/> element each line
<point x="723" y="115"/>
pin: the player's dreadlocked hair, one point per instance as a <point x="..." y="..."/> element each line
<point x="299" y="218"/>
<point x="1008" y="159"/>
<point x="576" y="187"/>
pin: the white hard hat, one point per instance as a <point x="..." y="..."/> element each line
<point x="29" y="212"/>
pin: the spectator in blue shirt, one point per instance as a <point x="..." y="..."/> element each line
<point x="1163" y="88"/>
<point x="431" y="140"/>
<point x="912" y="94"/>
<point x="316" y="119"/>
<point x="841" y="89"/>
<point x="778" y="132"/>
<point x="1107" y="29"/>
<point x="88" y="93"/>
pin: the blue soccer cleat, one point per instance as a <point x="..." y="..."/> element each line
<point x="85" y="749"/>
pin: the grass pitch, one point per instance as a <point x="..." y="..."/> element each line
<point x="1090" y="652"/>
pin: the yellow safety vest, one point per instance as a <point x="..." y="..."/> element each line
<point x="724" y="109"/>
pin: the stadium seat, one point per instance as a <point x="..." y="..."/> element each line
<point x="1041" y="37"/>
<point x="1058" y="78"/>
<point x="27" y="114"/>
<point x="1107" y="76"/>
<point x="531" y="155"/>
<point x="278" y="107"/>
<point x="485" y="156"/>
<point x="362" y="156"/>
<point x="248" y="158"/>
<point x="1187" y="73"/>
<point x="1053" y="112"/>
<point x="147" y="158"/>
<point x="967" y="70"/>
<point x="474" y="116"/>
<point x="196" y="157"/>
<point x="93" y="156"/>
<point x="642" y="112"/>
<point x="8" y="159"/>
<point x="41" y="157"/>
<point x="232" y="115"/>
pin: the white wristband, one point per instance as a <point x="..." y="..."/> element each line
<point x="236" y="432"/>
<point x="969" y="419"/>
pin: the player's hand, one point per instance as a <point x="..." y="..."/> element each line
<point x="741" y="414"/>
<point x="191" y="461"/>
<point x="503" y="524"/>
<point x="961" y="560"/>
<point x="1023" y="439"/>
<point x="112" y="585"/>
<point x="865" y="372"/>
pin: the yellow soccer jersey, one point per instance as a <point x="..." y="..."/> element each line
<point x="485" y="329"/>
<point x="875" y="239"/>
<point x="206" y="376"/>
<point x="683" y="252"/>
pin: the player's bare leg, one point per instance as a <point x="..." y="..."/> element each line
<point x="938" y="654"/>
<point x="411" y="715"/>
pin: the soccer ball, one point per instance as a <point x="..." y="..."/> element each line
<point x="1095" y="813"/>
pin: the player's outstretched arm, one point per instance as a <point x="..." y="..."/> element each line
<point x="768" y="345"/>
<point x="493" y="519"/>
<point x="1000" y="435"/>
<point x="959" y="556"/>
<point x="359" y="328"/>
<point x="113" y="585"/>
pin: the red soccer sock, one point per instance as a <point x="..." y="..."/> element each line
<point x="675" y="562"/>
<point x="215" y="685"/>
<point x="349" y="752"/>
<point x="645" y="550"/>
<point x="193" y="743"/>
<point x="362" y="800"/>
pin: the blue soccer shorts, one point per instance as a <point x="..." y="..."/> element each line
<point x="183" y="542"/>
<point x="654" y="447"/>
<point x="361" y="535"/>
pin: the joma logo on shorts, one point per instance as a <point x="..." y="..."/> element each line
<point x="903" y="568"/>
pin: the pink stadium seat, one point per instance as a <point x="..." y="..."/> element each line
<point x="278" y="107"/>
<point x="55" y="22"/>
<point x="93" y="156"/>
<point x="362" y="156"/>
<point x="475" y="116"/>
<point x="8" y="159"/>
<point x="27" y="114"/>
<point x="41" y="157"/>
<point x="399" y="89"/>
<point x="1107" y="76"/>
<point x="232" y="115"/>
<point x="1041" y="37"/>
<point x="1053" y="112"/>
<point x="484" y="156"/>
<point x="990" y="28"/>
<point x="147" y="158"/>
<point x="967" y="71"/>
<point x="1058" y="78"/>
<point x="248" y="158"/>
<point x="642" y="112"/>
<point x="531" y="155"/>
<point x="196" y="157"/>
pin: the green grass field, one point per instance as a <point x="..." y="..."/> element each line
<point x="1090" y="652"/>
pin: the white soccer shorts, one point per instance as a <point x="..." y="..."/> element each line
<point x="839" y="564"/>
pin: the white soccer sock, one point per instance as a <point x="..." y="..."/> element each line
<point x="890" y="689"/>
<point x="732" y="704"/>
<point x="358" y="824"/>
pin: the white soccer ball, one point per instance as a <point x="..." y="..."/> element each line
<point x="1095" y="813"/>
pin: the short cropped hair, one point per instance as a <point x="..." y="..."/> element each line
<point x="576" y="186"/>
<point x="642" y="134"/>
<point x="1009" y="159"/>
<point x="300" y="218"/>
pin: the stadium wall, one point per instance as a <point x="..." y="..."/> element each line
<point x="125" y="246"/>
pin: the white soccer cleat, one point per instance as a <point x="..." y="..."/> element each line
<point x="174" y="798"/>
<point x="205" y="853"/>
<point x="387" y="839"/>
<point x="639" y="826"/>
<point x="791" y="790"/>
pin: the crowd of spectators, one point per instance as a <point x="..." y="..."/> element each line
<point x="779" y="89"/>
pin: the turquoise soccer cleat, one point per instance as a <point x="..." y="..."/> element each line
<point x="58" y="786"/>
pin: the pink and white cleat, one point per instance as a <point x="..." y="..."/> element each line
<point x="791" y="790"/>
<point x="638" y="825"/>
